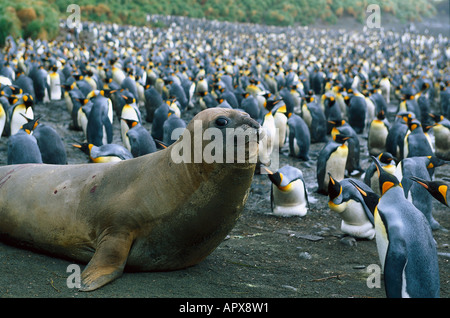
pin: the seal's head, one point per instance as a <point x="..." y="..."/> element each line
<point x="220" y="135"/>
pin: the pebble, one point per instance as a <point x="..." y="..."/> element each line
<point x="348" y="240"/>
<point x="304" y="255"/>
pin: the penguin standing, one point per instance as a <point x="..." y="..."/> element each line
<point x="25" y="83"/>
<point x="437" y="188"/>
<point x="299" y="137"/>
<point x="269" y="142"/>
<point x="416" y="143"/>
<point x="99" y="130"/>
<point x="396" y="136"/>
<point x="54" y="84"/>
<point x="153" y="100"/>
<point x="280" y="119"/>
<point x="130" y="111"/>
<point x="40" y="85"/>
<point x="288" y="194"/>
<point x="371" y="178"/>
<point x="353" y="165"/>
<point x="139" y="139"/>
<point x="169" y="126"/>
<point x="405" y="244"/>
<point x="50" y="144"/>
<point x="422" y="200"/>
<point x="331" y="160"/>
<point x="21" y="107"/>
<point x="332" y="112"/>
<point x="385" y="86"/>
<point x="105" y="153"/>
<point x="250" y="105"/>
<point x="356" y="111"/>
<point x="377" y="134"/>
<point x="160" y="116"/>
<point x="316" y="122"/>
<point x="441" y="130"/>
<point x="23" y="147"/>
<point x="345" y="199"/>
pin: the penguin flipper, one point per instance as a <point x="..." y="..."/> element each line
<point x="394" y="268"/>
<point x="109" y="130"/>
<point x="108" y="261"/>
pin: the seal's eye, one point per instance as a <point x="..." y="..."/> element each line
<point x="221" y="122"/>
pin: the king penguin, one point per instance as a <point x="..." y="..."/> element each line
<point x="377" y="134"/>
<point x="288" y="194"/>
<point x="299" y="137"/>
<point x="405" y="244"/>
<point x="23" y="147"/>
<point x="138" y="139"/>
<point x="270" y="141"/>
<point x="130" y="111"/>
<point x="418" y="167"/>
<point x="387" y="161"/>
<point x="416" y="143"/>
<point x="332" y="159"/>
<point x="20" y="107"/>
<point x="441" y="130"/>
<point x="50" y="144"/>
<point x="173" y="127"/>
<point x="99" y="130"/>
<point x="437" y="188"/>
<point x="105" y="153"/>
<point x="347" y="201"/>
<point x="54" y="84"/>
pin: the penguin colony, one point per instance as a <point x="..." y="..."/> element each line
<point x="313" y="86"/>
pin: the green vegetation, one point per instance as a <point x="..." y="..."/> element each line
<point x="32" y="18"/>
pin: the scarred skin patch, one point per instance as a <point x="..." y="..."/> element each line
<point x="7" y="175"/>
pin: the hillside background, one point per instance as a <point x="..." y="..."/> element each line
<point x="40" y="19"/>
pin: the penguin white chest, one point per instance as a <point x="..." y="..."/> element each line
<point x="336" y="164"/>
<point x="290" y="202"/>
<point x="381" y="238"/>
<point x="354" y="219"/>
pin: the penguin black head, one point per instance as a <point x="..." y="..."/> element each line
<point x="27" y="100"/>
<point x="381" y="115"/>
<point x="334" y="188"/>
<point x="371" y="199"/>
<point x="438" y="189"/>
<point x="386" y="157"/>
<point x="386" y="180"/>
<point x="436" y="118"/>
<point x="340" y="138"/>
<point x="85" y="147"/>
<point x="435" y="162"/>
<point x="30" y="125"/>
<point x="130" y="122"/>
<point x="414" y="124"/>
<point x="275" y="178"/>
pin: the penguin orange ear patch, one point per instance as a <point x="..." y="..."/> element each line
<point x="386" y="186"/>
<point x="443" y="190"/>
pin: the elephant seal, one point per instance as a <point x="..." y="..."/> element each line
<point x="146" y="214"/>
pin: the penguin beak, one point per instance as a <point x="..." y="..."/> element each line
<point x="423" y="183"/>
<point x="267" y="170"/>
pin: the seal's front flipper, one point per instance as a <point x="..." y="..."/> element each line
<point x="108" y="261"/>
